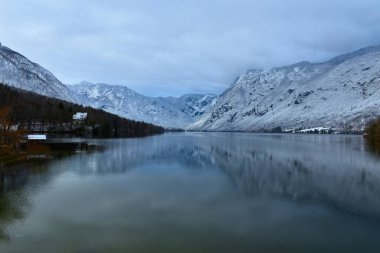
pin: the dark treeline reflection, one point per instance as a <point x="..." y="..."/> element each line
<point x="14" y="202"/>
<point x="373" y="147"/>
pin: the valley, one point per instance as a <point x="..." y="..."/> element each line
<point x="341" y="94"/>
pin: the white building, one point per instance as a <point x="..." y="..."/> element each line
<point x="80" y="116"/>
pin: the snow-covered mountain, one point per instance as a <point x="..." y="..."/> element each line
<point x="16" y="70"/>
<point x="169" y="112"/>
<point x="343" y="93"/>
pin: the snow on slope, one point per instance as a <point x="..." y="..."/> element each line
<point x="343" y="93"/>
<point x="16" y="70"/>
<point x="169" y="112"/>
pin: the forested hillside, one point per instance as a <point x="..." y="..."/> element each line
<point x="34" y="112"/>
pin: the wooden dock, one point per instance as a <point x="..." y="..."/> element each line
<point x="55" y="143"/>
<point x="66" y="145"/>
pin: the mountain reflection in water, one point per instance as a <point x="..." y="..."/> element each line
<point x="163" y="182"/>
<point x="335" y="170"/>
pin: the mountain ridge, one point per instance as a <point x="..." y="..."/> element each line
<point x="341" y="93"/>
<point x="169" y="112"/>
<point x="18" y="71"/>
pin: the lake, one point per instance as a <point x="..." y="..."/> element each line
<point x="198" y="192"/>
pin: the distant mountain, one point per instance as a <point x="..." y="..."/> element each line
<point x="343" y="93"/>
<point x="16" y="70"/>
<point x="169" y="112"/>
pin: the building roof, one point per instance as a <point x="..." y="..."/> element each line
<point x="36" y="136"/>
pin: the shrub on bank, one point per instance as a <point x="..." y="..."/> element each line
<point x="373" y="134"/>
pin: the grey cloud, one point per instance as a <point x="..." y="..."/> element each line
<point x="170" y="47"/>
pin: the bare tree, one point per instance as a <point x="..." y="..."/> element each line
<point x="10" y="136"/>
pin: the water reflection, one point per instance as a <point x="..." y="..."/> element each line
<point x="14" y="202"/>
<point x="335" y="170"/>
<point x="176" y="192"/>
<point x="8" y="213"/>
<point x="373" y="147"/>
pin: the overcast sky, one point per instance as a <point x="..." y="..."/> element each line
<point x="171" y="47"/>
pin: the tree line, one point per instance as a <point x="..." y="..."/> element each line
<point x="26" y="109"/>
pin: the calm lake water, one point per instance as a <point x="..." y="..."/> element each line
<point x="198" y="192"/>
